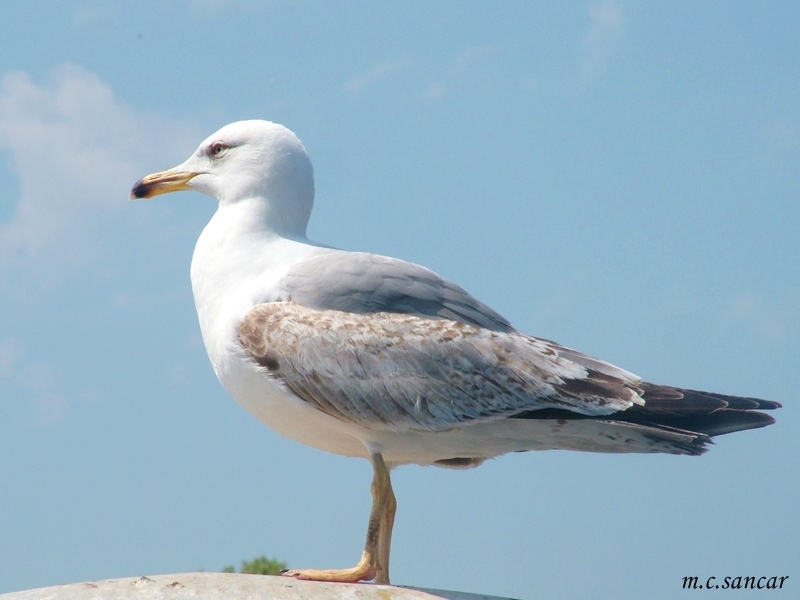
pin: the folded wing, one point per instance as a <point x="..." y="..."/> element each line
<point x="402" y="371"/>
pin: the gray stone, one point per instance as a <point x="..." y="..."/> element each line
<point x="231" y="586"/>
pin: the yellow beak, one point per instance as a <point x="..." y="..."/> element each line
<point x="161" y="183"/>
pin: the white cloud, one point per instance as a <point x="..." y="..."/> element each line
<point x="782" y="133"/>
<point x="88" y="14"/>
<point x="377" y="74"/>
<point x="772" y="318"/>
<point x="76" y="150"/>
<point x="37" y="381"/>
<point x="463" y="67"/>
<point x="8" y="357"/>
<point x="469" y="58"/>
<point x="434" y="91"/>
<point x="601" y="42"/>
<point x="94" y="13"/>
<point x="50" y="405"/>
<point x="742" y="307"/>
<point x="212" y="8"/>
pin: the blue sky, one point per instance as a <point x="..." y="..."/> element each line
<point x="622" y="177"/>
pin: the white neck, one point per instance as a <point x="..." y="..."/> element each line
<point x="239" y="262"/>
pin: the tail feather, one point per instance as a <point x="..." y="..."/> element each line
<point x="701" y="412"/>
<point x="667" y="410"/>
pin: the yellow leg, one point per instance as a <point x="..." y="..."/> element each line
<point x="374" y="563"/>
<point x="385" y="535"/>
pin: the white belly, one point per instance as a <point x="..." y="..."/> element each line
<point x="278" y="408"/>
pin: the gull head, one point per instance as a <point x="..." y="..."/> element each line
<point x="258" y="162"/>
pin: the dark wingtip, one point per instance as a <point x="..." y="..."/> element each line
<point x="769" y="405"/>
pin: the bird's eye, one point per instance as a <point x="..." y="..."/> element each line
<point x="217" y="149"/>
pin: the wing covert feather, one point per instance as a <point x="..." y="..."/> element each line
<point x="403" y="371"/>
<point x="362" y="283"/>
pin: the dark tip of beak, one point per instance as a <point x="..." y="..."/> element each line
<point x="140" y="190"/>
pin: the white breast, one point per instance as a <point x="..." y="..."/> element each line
<point x="235" y="266"/>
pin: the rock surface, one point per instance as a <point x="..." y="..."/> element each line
<point x="231" y="586"/>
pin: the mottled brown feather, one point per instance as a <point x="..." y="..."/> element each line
<point x="406" y="371"/>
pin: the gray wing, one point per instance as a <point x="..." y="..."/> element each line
<point x="361" y="283"/>
<point x="403" y="371"/>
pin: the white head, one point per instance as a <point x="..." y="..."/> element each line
<point x="245" y="161"/>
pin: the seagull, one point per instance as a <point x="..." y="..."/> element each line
<point x="368" y="356"/>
